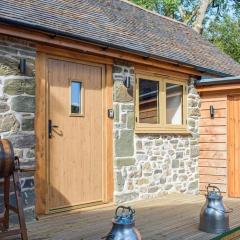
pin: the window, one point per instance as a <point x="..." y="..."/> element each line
<point x="76" y="98"/>
<point x="148" y="101"/>
<point x="174" y="106"/>
<point x="161" y="105"/>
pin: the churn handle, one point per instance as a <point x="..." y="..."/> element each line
<point x="131" y="211"/>
<point x="213" y="187"/>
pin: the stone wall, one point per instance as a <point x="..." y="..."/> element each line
<point x="149" y="165"/>
<point x="17" y="107"/>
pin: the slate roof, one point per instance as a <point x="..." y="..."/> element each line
<point x="120" y="25"/>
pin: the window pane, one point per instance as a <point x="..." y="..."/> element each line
<point x="174" y="98"/>
<point x="148" y="101"/>
<point x="75" y="97"/>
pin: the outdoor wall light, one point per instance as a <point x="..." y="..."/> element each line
<point x="22" y="65"/>
<point x="212" y="111"/>
<point x="127" y="82"/>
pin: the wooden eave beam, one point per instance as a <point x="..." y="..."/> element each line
<point x="43" y="38"/>
<point x="230" y="88"/>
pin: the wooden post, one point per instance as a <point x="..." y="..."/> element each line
<point x="18" y="209"/>
<point x="6" y="203"/>
<point x="21" y="218"/>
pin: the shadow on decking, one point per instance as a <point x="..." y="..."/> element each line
<point x="175" y="216"/>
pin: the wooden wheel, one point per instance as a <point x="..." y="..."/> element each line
<point x="8" y="170"/>
<point x="6" y="158"/>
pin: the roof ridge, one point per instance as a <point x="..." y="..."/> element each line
<point x="155" y="13"/>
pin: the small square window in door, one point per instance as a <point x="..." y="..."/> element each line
<point x="76" y="98"/>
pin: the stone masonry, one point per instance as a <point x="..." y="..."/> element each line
<point x="150" y="165"/>
<point x="17" y="107"/>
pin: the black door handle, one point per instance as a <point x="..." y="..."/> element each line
<point x="50" y="127"/>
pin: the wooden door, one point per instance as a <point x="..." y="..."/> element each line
<point x="76" y="166"/>
<point x="234" y="146"/>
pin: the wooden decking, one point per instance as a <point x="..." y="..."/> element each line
<point x="174" y="216"/>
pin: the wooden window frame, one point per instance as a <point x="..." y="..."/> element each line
<point x="162" y="127"/>
<point x="81" y="113"/>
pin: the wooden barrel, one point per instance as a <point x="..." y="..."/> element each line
<point x="6" y="158"/>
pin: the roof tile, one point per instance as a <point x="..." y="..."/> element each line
<point x="123" y="25"/>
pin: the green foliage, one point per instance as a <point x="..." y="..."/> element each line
<point x="169" y="7"/>
<point x="225" y="34"/>
<point x="148" y="4"/>
<point x="186" y="10"/>
<point x="165" y="7"/>
<point x="237" y="8"/>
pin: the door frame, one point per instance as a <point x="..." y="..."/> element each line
<point x="41" y="122"/>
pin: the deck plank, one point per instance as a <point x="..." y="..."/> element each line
<point x="174" y="216"/>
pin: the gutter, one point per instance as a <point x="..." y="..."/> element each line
<point x="107" y="45"/>
<point x="215" y="81"/>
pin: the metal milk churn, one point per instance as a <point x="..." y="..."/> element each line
<point x="214" y="217"/>
<point x="124" y="225"/>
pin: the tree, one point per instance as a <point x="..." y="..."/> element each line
<point x="200" y="14"/>
<point x="225" y="34"/>
<point x="148" y="4"/>
<point x="194" y="13"/>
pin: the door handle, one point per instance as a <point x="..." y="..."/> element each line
<point x="50" y="127"/>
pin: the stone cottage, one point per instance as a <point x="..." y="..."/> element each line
<point x="105" y="102"/>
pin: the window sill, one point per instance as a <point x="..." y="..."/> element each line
<point x="162" y="131"/>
